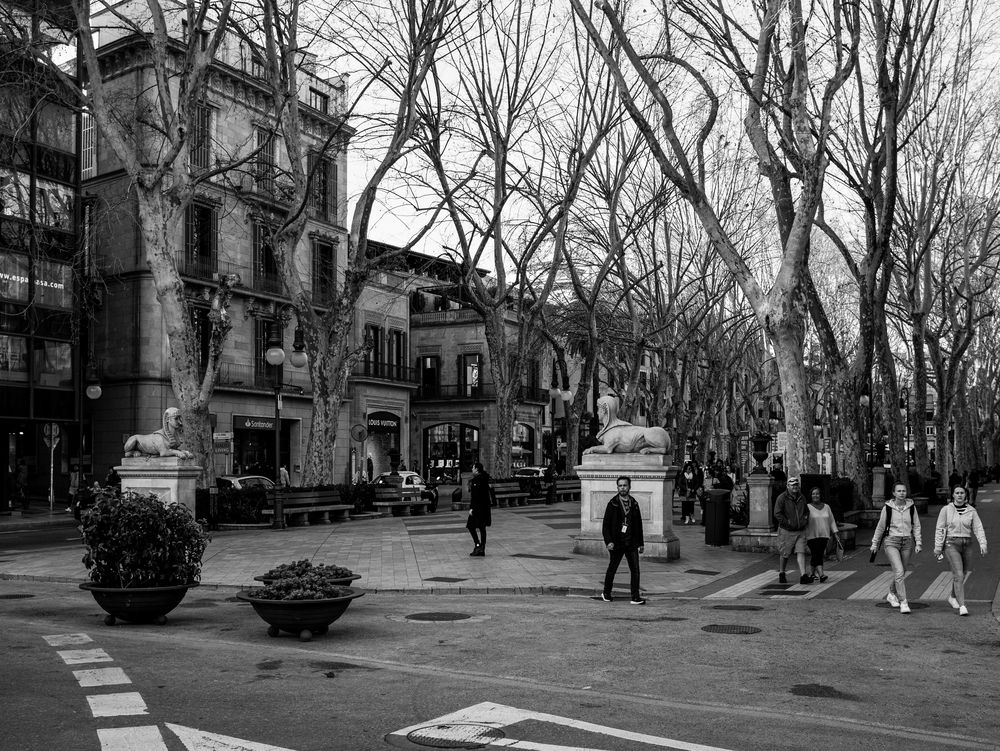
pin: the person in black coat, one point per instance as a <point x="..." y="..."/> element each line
<point x="480" y="514"/>
<point x="622" y="530"/>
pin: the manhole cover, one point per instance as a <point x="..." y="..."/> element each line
<point x="820" y="691"/>
<point x="439" y="617"/>
<point x="455" y="735"/>
<point x="15" y="597"/>
<point x="729" y="629"/>
<point x="737" y="607"/>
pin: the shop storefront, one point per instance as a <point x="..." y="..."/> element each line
<point x="383" y="441"/>
<point x="253" y="445"/>
<point x="450" y="448"/>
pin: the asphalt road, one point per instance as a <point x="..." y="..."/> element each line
<point x="584" y="675"/>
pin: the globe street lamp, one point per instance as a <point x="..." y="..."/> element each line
<point x="275" y="356"/>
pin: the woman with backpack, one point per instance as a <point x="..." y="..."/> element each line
<point x="898" y="531"/>
<point x="957" y="524"/>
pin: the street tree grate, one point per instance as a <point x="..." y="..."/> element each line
<point x="455" y="735"/>
<point x="15" y="597"/>
<point x="438" y="617"/>
<point x="730" y="629"/>
<point x="737" y="607"/>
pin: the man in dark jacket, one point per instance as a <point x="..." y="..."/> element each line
<point x="622" y="531"/>
<point x="792" y="515"/>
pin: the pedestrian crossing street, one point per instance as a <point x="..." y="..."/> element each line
<point x="842" y="584"/>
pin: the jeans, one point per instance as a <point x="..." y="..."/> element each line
<point x="958" y="552"/>
<point x="898" y="551"/>
<point x="632" y="556"/>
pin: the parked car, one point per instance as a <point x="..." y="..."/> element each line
<point x="538" y="472"/>
<point x="244" y="481"/>
<point x="531" y="479"/>
<point x="428" y="491"/>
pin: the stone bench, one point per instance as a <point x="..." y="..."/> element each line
<point x="509" y="494"/>
<point x="399" y="501"/>
<point x="568" y="490"/>
<point x="304" y="508"/>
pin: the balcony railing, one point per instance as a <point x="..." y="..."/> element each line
<point x="247" y="375"/>
<point x="386" y="372"/>
<point x="201" y="267"/>
<point x="269" y="283"/>
<point x="480" y="391"/>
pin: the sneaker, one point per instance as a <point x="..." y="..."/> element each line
<point x="805" y="579"/>
<point x="782" y="579"/>
<point x="478" y="553"/>
<point x="904" y="607"/>
<point x="823" y="578"/>
<point x="892" y="599"/>
<point x="953" y="602"/>
<point x="962" y="610"/>
<point x="638" y="601"/>
<point x="607" y="598"/>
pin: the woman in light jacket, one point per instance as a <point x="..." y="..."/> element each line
<point x="900" y="526"/>
<point x="957" y="524"/>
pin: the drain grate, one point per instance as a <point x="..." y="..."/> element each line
<point x="737" y="607"/>
<point x="700" y="571"/>
<point x="730" y="629"/>
<point x="448" y="579"/>
<point x="540" y="557"/>
<point x="455" y="735"/>
<point x="15" y="597"/>
<point x="439" y="617"/>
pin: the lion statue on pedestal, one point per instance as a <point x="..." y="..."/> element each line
<point x="164" y="442"/>
<point x="620" y="437"/>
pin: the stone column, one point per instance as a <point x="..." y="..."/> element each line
<point x="653" y="489"/>
<point x="760" y="534"/>
<point x="172" y="479"/>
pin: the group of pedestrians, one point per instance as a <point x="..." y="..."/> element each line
<point x="693" y="484"/>
<point x="803" y="527"/>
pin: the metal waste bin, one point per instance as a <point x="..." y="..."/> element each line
<point x="717" y="517"/>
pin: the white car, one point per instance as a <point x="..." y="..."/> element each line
<point x="412" y="480"/>
<point x="244" y="481"/>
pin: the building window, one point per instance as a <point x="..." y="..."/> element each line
<point x="468" y="374"/>
<point x="430" y="376"/>
<point x="397" y="354"/>
<point x="265" y="265"/>
<point x="14" y="276"/>
<point x="202" y="327"/>
<point x="200" y="145"/>
<point x="53" y="284"/>
<point x="13" y="358"/>
<point x="324" y="280"/>
<point x="322" y="196"/>
<point x="319" y="101"/>
<point x="263" y="371"/>
<point x="88" y="153"/>
<point x="200" y="241"/>
<point x="374" y="359"/>
<point x="533" y="375"/>
<point x="265" y="161"/>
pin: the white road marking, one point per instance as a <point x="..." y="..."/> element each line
<point x="500" y="716"/>
<point x="876" y="589"/>
<point x="811" y="590"/>
<point x="67" y="640"/>
<point x="83" y="656"/>
<point x="101" y="677"/>
<point x="940" y="588"/>
<point x="117" y="705"/>
<point x="146" y="738"/>
<point x="744" y="587"/>
<point x="199" y="740"/>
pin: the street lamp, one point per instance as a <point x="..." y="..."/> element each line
<point x="275" y="356"/>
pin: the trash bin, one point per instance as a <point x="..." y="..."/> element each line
<point x="717" y="517"/>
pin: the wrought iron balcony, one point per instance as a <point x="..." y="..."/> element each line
<point x="386" y="372"/>
<point x="440" y="392"/>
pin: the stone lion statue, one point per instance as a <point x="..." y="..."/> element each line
<point x="620" y="437"/>
<point x="164" y="442"/>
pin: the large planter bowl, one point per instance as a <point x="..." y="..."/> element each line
<point x="137" y="604"/>
<point x="342" y="582"/>
<point x="305" y="618"/>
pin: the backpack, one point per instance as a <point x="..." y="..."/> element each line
<point x="888" y="519"/>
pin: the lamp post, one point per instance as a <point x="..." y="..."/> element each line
<point x="275" y="356"/>
<point x="866" y="403"/>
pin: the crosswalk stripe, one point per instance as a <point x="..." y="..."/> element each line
<point x="877" y="587"/>
<point x="82" y="656"/>
<point x="744" y="587"/>
<point x="940" y="588"/>
<point x="145" y="738"/>
<point x="67" y="640"/>
<point x="816" y="588"/>
<point x="101" y="677"/>
<point x="117" y="705"/>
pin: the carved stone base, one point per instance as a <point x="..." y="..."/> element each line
<point x="172" y="479"/>
<point x="653" y="489"/>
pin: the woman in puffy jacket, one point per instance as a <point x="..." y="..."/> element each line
<point x="957" y="524"/>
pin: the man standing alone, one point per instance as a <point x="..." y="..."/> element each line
<point x="792" y="515"/>
<point x="622" y="531"/>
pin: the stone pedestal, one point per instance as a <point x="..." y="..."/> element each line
<point x="653" y="489"/>
<point x="173" y="479"/>
<point x="878" y="486"/>
<point x="760" y="535"/>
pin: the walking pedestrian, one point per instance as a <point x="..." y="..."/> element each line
<point x="974" y="482"/>
<point x="688" y="487"/>
<point x="285" y="480"/>
<point x="480" y="509"/>
<point x="791" y="513"/>
<point x="819" y="529"/>
<point x="957" y="524"/>
<point x="898" y="531"/>
<point x="74" y="488"/>
<point x="622" y="530"/>
<point x="21" y="483"/>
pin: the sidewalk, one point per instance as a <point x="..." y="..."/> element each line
<point x="529" y="550"/>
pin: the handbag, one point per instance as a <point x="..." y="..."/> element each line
<point x="838" y="549"/>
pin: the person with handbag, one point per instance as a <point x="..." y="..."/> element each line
<point x="898" y="531"/>
<point x="957" y="524"/>
<point x="622" y="531"/>
<point x="820" y="529"/>
<point x="480" y="509"/>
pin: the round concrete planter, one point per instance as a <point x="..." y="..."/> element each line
<point x="137" y="604"/>
<point x="305" y="618"/>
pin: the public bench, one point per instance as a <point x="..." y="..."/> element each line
<point x="399" y="501"/>
<point x="509" y="494"/>
<point x="568" y="489"/>
<point x="302" y="508"/>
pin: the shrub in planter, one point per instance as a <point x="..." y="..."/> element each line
<point x="136" y="540"/>
<point x="334" y="574"/>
